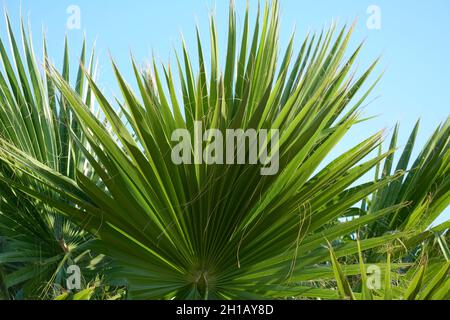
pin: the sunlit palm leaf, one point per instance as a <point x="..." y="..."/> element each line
<point x="223" y="231"/>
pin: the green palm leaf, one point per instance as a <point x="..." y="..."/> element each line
<point x="224" y="231"/>
<point x="37" y="242"/>
<point x="208" y="231"/>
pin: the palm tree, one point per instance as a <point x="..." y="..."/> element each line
<point x="224" y="231"/>
<point x="221" y="231"/>
<point x="424" y="248"/>
<point x="38" y="243"/>
<point x="425" y="186"/>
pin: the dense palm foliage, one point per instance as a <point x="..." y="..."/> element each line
<point x="425" y="246"/>
<point x="37" y="243"/>
<point x="213" y="231"/>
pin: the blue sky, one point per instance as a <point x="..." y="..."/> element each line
<point x="413" y="41"/>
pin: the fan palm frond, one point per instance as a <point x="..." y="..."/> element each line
<point x="213" y="230"/>
<point x="37" y="242"/>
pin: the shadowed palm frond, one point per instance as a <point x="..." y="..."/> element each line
<point x="37" y="242"/>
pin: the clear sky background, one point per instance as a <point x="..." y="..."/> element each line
<point x="414" y="41"/>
